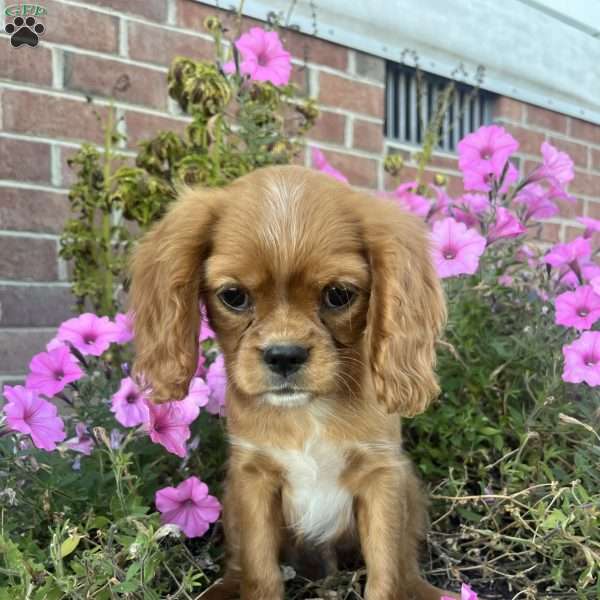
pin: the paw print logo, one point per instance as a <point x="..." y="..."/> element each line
<point x="24" y="31"/>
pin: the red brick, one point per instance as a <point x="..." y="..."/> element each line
<point x="578" y="152"/>
<point x="507" y="108"/>
<point x="454" y="186"/>
<point x="41" y="114"/>
<point x="315" y="50"/>
<point x="573" y="232"/>
<point x="595" y="157"/>
<point x="24" y="259"/>
<point x="161" y="46"/>
<point x="586" y="184"/>
<point x="368" y="136"/>
<point x="155" y="10"/>
<point x="191" y="15"/>
<point x="33" y="210"/>
<point x="408" y="173"/>
<point x="115" y="79"/>
<point x="24" y="161"/>
<point x="584" y="130"/>
<point x="33" y="65"/>
<point x="17" y="348"/>
<point x="329" y="127"/>
<point x="81" y="27"/>
<point x="570" y="210"/>
<point x="141" y="126"/>
<point x="351" y="95"/>
<point x="540" y="117"/>
<point x="529" y="141"/>
<point x="359" y="171"/>
<point x="546" y="232"/>
<point x="443" y="162"/>
<point x="35" y="306"/>
<point x="299" y="76"/>
<point x="593" y="210"/>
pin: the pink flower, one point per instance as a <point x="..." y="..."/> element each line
<point x="189" y="506"/>
<point x="168" y="425"/>
<point x="537" y="202"/>
<point x="563" y="254"/>
<point x="505" y="280"/>
<point x="595" y="283"/>
<point x="28" y="413"/>
<point x="263" y="57"/>
<point x="216" y="378"/>
<point x="414" y="203"/>
<point x="442" y="203"/>
<point x="89" y="333"/>
<point x="129" y="404"/>
<point x="587" y="269"/>
<point x="206" y="331"/>
<point x="482" y="156"/>
<point x="320" y="162"/>
<point x="579" y="309"/>
<point x="197" y="397"/>
<point x="526" y="254"/>
<point x="557" y="169"/>
<point x="51" y="371"/>
<point x="466" y="593"/>
<point x="124" y="324"/>
<point x="481" y="179"/>
<point x="82" y="442"/>
<point x="200" y="370"/>
<point x="506" y="226"/>
<point x="456" y="249"/>
<point x="591" y="226"/>
<point x="582" y="359"/>
<point x="54" y="343"/>
<point x="475" y="203"/>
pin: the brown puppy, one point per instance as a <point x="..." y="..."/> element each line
<point x="327" y="310"/>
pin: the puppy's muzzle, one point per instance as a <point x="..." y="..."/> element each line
<point x="285" y="359"/>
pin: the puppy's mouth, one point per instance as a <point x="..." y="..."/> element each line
<point x="287" y="396"/>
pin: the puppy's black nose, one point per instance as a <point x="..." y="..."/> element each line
<point x="285" y="359"/>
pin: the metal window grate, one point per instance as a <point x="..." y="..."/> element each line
<point x="468" y="109"/>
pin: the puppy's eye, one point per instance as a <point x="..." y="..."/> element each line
<point x="234" y="298"/>
<point x="338" y="296"/>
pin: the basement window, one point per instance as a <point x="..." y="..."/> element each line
<point x="411" y="100"/>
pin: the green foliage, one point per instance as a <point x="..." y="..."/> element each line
<point x="236" y="126"/>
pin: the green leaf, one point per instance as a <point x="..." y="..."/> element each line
<point x="69" y="545"/>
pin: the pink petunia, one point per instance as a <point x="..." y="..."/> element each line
<point x="89" y="333"/>
<point x="28" y="413"/>
<point x="505" y="226"/>
<point x="206" y="332"/>
<point x="405" y="196"/>
<point x="168" y="425"/>
<point x="588" y="270"/>
<point x="51" y="371"/>
<point x="595" y="283"/>
<point x="216" y="378"/>
<point x="442" y="203"/>
<point x="189" y="506"/>
<point x="466" y="593"/>
<point x="197" y="397"/>
<point x="129" y="404"/>
<point x="482" y="157"/>
<point x="124" y="323"/>
<point x="82" y="442"/>
<point x="526" y="254"/>
<point x="591" y="226"/>
<point x="320" y="162"/>
<point x="579" y="309"/>
<point x="537" y="202"/>
<point x="557" y="170"/>
<point x="263" y="57"/>
<point x="456" y="249"/>
<point x="582" y="359"/>
<point x="563" y="254"/>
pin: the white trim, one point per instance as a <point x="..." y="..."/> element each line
<point x="29" y="234"/>
<point x="14" y="283"/>
<point x="528" y="52"/>
<point x="9" y="183"/>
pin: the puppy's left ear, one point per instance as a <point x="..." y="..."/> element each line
<point x="406" y="313"/>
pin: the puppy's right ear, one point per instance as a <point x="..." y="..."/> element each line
<point x="166" y="271"/>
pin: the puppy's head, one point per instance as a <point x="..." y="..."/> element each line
<point x="312" y="288"/>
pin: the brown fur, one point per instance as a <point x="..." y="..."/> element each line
<point x="284" y="233"/>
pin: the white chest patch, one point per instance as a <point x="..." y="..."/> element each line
<point x="316" y="505"/>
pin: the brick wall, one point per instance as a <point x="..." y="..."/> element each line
<point x="50" y="97"/>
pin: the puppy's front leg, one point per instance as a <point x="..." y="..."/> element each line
<point x="261" y="526"/>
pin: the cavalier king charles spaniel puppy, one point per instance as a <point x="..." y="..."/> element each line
<point x="327" y="309"/>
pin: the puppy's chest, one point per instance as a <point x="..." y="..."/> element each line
<point x="315" y="503"/>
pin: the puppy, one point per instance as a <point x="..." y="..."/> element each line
<point x="327" y="309"/>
